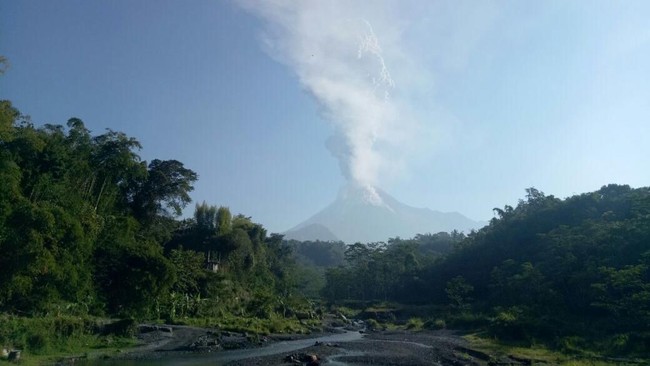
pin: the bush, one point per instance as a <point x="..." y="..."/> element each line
<point x="414" y="324"/>
<point x="435" y="324"/>
<point x="42" y="335"/>
<point x="372" y="324"/>
<point x="37" y="343"/>
<point x="346" y="311"/>
<point x="514" y="324"/>
<point x="572" y="345"/>
<point x="121" y="328"/>
<point x="467" y="320"/>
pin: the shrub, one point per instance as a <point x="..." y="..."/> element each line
<point x="467" y="320"/>
<point x="121" y="328"/>
<point x="435" y="324"/>
<point x="414" y="324"/>
<point x="37" y="343"/>
<point x="372" y="324"/>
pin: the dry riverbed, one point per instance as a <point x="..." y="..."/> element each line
<point x="171" y="345"/>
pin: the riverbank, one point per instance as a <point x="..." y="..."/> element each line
<point x="163" y="345"/>
<point x="201" y="346"/>
<point x="385" y="348"/>
<point x="166" y="345"/>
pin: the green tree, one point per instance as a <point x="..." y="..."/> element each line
<point x="164" y="192"/>
<point x="458" y="291"/>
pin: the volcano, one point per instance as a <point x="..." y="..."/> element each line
<point x="368" y="214"/>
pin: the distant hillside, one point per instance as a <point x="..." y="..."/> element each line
<point x="311" y="232"/>
<point x="368" y="214"/>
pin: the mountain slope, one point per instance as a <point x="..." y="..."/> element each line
<point x="311" y="232"/>
<point x="368" y="214"/>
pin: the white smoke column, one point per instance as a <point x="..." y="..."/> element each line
<point x="338" y="59"/>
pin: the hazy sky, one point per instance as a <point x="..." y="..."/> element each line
<point x="451" y="105"/>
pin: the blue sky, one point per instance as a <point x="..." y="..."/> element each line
<point x="489" y="98"/>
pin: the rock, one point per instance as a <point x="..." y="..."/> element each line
<point x="326" y="344"/>
<point x="205" y="342"/>
<point x="312" y="360"/>
<point x="293" y="358"/>
<point x="146" y="328"/>
<point x="299" y="358"/>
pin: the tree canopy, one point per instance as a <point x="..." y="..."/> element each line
<point x="84" y="220"/>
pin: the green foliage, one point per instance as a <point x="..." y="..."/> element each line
<point x="458" y="291"/>
<point x="542" y="271"/>
<point x="190" y="273"/>
<point x="205" y="217"/>
<point x="82" y="218"/>
<point x="166" y="188"/>
<point x="223" y="220"/>
<point x="388" y="271"/>
<point x="318" y="253"/>
<point x="435" y="324"/>
<point x="553" y="268"/>
<point x="372" y="324"/>
<point x="415" y="324"/>
<point x="47" y="335"/>
<point x="87" y="227"/>
<point x="8" y="116"/>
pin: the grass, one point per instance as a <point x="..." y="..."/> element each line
<point x="540" y="355"/>
<point x="415" y="324"/>
<point x="45" y="339"/>
<point x="259" y="326"/>
<point x="83" y="352"/>
<point x="346" y="311"/>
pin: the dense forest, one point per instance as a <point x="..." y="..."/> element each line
<point x="88" y="228"/>
<point x="571" y="273"/>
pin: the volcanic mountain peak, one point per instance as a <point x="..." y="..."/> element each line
<point x="364" y="195"/>
<point x="368" y="214"/>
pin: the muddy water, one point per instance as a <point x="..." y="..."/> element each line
<point x="222" y="357"/>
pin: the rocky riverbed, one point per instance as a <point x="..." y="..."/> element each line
<point x="175" y="345"/>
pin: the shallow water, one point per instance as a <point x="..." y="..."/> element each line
<point x="222" y="357"/>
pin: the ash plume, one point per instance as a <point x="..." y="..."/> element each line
<point x="338" y="59"/>
<point x="341" y="51"/>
